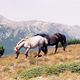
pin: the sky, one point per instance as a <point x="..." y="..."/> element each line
<point x="56" y="11"/>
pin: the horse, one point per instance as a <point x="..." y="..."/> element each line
<point x="55" y="39"/>
<point x="32" y="42"/>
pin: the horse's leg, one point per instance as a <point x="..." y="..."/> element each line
<point x="63" y="45"/>
<point x="64" y="48"/>
<point x="56" y="47"/>
<point x="39" y="52"/>
<point x="40" y="48"/>
<point x="26" y="52"/>
<point x="45" y="50"/>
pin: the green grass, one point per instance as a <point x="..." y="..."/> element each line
<point x="73" y="41"/>
<point x="50" y="70"/>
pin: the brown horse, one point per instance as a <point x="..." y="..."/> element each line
<point x="54" y="40"/>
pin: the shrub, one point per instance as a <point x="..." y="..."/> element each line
<point x="74" y="67"/>
<point x="34" y="72"/>
<point x="73" y="41"/>
<point x="50" y="70"/>
<point x="1" y="50"/>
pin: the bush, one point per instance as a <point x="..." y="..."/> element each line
<point x="1" y="50"/>
<point x="34" y="72"/>
<point x="50" y="70"/>
<point x="74" y="67"/>
<point x="73" y="41"/>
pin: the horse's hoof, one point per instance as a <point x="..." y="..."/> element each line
<point x="26" y="57"/>
<point x="45" y="54"/>
<point x="16" y="58"/>
<point x="35" y="56"/>
<point x="39" y="55"/>
<point x="55" y="52"/>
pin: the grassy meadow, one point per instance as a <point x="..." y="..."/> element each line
<point x="64" y="65"/>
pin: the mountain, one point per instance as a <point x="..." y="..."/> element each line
<point x="11" y="31"/>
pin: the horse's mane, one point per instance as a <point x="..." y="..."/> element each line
<point x="21" y="41"/>
<point x="43" y="35"/>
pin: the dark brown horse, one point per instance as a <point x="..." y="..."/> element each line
<point x="54" y="40"/>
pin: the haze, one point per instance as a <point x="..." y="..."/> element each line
<point x="57" y="11"/>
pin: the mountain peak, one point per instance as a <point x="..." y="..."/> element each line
<point x="4" y="20"/>
<point x="2" y="17"/>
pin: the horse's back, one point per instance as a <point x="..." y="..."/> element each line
<point x="43" y="35"/>
<point x="36" y="40"/>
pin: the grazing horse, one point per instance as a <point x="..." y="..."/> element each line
<point x="55" y="39"/>
<point x="32" y="42"/>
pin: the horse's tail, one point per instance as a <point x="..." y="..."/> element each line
<point x="63" y="37"/>
<point x="64" y="41"/>
<point x="45" y="42"/>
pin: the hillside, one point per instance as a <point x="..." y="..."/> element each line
<point x="11" y="31"/>
<point x="10" y="68"/>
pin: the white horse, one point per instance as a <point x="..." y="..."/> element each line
<point x="32" y="42"/>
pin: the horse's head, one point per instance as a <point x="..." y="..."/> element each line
<point x="19" y="46"/>
<point x="16" y="49"/>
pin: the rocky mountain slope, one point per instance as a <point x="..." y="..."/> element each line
<point x="11" y="31"/>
